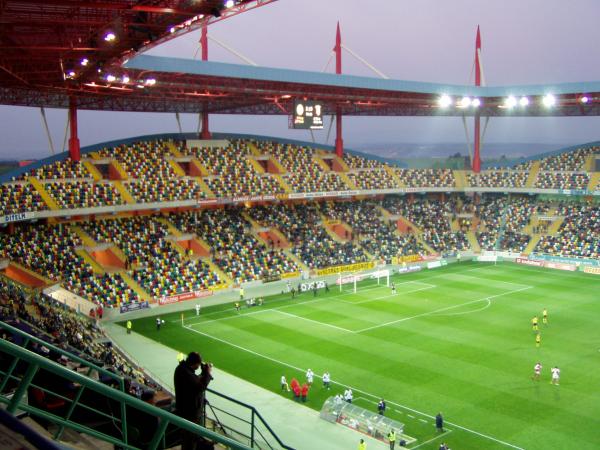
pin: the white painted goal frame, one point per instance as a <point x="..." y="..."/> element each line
<point x="355" y="277"/>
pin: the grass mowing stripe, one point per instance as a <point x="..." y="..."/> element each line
<point x="433" y="439"/>
<point x="475" y="367"/>
<point x="239" y="347"/>
<point x="314" y="321"/>
<point x="404" y="319"/>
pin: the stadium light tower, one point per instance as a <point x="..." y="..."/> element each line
<point x="74" y="146"/>
<point x="339" y="142"/>
<point x="205" y="133"/>
<point x="477" y="137"/>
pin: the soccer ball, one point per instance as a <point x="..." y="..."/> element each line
<point x="163" y="321"/>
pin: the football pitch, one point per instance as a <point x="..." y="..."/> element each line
<point x="456" y="340"/>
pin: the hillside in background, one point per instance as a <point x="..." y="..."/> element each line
<point x="490" y="150"/>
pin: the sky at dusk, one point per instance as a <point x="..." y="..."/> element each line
<point x="524" y="42"/>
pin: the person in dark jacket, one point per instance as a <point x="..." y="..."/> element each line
<point x="439" y="422"/>
<point x="189" y="394"/>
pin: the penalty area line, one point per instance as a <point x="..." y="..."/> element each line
<point x="447" y="308"/>
<point x="277" y="361"/>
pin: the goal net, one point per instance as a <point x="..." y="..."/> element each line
<point x="350" y="281"/>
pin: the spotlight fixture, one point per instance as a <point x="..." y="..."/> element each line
<point x="584" y="99"/>
<point x="476" y="103"/>
<point x="510" y="102"/>
<point x="465" y="102"/>
<point x="524" y="101"/>
<point x="110" y="36"/>
<point x="549" y="100"/>
<point x="444" y="101"/>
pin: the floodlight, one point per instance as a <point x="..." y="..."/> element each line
<point x="476" y="103"/>
<point x="110" y="36"/>
<point x="71" y="74"/>
<point x="465" y="102"/>
<point x="549" y="100"/>
<point x="229" y="3"/>
<point x="524" y="101"/>
<point x="125" y="79"/>
<point x="584" y="99"/>
<point x="444" y="101"/>
<point x="510" y="102"/>
<point x="110" y="78"/>
<point x="85" y="61"/>
<point x="150" y="82"/>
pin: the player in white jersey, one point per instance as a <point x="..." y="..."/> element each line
<point x="326" y="380"/>
<point x="555" y="375"/>
<point x="537" y="369"/>
<point x="309" y="377"/>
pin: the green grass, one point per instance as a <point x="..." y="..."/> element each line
<point x="456" y="339"/>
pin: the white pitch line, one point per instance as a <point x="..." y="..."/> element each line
<point x="440" y="310"/>
<point x="313" y="321"/>
<point x="388" y="296"/>
<point x="423" y="420"/>
<point x="486" y="306"/>
<point x="434" y="438"/>
<point x="236" y="316"/>
<point x="468" y="430"/>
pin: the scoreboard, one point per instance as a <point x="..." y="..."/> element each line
<point x="308" y="115"/>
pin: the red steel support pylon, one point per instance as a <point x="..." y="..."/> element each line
<point x="74" y="149"/>
<point x="477" y="138"/>
<point x="205" y="133"/>
<point x="339" y="142"/>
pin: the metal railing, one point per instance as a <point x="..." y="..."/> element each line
<point x="26" y="365"/>
<point x="252" y="429"/>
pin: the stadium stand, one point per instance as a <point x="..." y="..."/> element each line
<point x="372" y="179"/>
<point x="489" y="210"/>
<point x="158" y="267"/>
<point x="235" y="250"/>
<point x="426" y="177"/>
<point x="562" y="180"/>
<point x="568" y="161"/>
<point x="20" y="197"/>
<point x="83" y="194"/>
<point x="302" y="226"/>
<point x="58" y="170"/>
<point x="43" y="317"/>
<point x="165" y="190"/>
<point x="578" y="235"/>
<point x="433" y="220"/>
<point x="359" y="162"/>
<point x="498" y="179"/>
<point x="378" y="238"/>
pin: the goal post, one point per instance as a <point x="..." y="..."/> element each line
<point x="353" y="278"/>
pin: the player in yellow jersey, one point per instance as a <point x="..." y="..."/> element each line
<point x="538" y="340"/>
<point x="545" y="316"/>
<point x="534" y="323"/>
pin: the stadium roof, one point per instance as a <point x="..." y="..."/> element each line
<point x="54" y="50"/>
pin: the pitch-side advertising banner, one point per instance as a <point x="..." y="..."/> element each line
<point x="347" y="268"/>
<point x="182" y="297"/>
